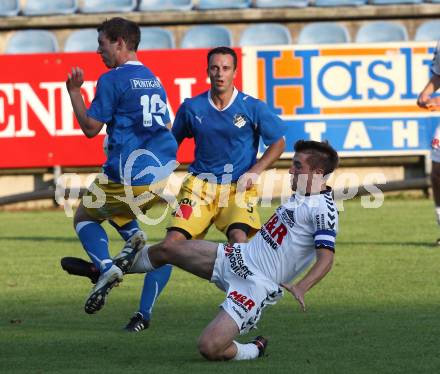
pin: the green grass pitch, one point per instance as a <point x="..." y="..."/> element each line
<point x="378" y="311"/>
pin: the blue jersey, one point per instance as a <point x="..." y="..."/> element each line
<point x="228" y="136"/>
<point x="132" y="102"/>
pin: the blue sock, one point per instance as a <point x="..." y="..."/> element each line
<point x="154" y="283"/>
<point x="95" y="241"/>
<point x="126" y="231"/>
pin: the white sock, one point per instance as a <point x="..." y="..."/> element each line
<point x="437" y="214"/>
<point x="245" y="351"/>
<point x="142" y="264"/>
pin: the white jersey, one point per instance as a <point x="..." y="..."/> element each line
<point x="286" y="245"/>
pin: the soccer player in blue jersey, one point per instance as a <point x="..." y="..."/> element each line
<point x="131" y="101"/>
<point x="226" y="125"/>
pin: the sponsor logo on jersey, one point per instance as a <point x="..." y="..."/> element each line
<point x="185" y="209"/>
<point x="274" y="231"/>
<point x="140" y="84"/>
<point x="244" y="302"/>
<point x="239" y="120"/>
<point x="236" y="261"/>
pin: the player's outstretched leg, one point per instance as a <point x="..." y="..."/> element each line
<point x="80" y="267"/>
<point x="121" y="264"/>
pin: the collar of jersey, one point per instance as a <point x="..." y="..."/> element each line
<point x="234" y="95"/>
<point x="132" y="63"/>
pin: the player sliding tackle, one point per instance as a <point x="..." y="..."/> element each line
<point x="300" y="231"/>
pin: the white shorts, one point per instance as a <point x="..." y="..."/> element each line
<point x="248" y="291"/>
<point x="435" y="145"/>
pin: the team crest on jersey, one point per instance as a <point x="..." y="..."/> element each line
<point x="239" y="120"/>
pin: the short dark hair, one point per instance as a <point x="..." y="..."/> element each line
<point x="223" y="51"/>
<point x="119" y="27"/>
<point x="321" y="154"/>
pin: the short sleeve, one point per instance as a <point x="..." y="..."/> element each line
<point x="325" y="221"/>
<point x="182" y="126"/>
<point x="271" y="127"/>
<point x="105" y="101"/>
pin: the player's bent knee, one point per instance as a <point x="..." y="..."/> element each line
<point x="210" y="350"/>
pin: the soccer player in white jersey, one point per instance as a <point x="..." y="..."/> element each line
<point x="252" y="274"/>
<point x="427" y="101"/>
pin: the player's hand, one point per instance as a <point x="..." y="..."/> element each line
<point x="75" y="79"/>
<point x="247" y="180"/>
<point x="249" y="183"/>
<point x="297" y="293"/>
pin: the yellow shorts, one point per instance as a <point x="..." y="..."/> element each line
<point x="105" y="199"/>
<point x="200" y="204"/>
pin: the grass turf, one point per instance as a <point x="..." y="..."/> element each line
<point x="376" y="312"/>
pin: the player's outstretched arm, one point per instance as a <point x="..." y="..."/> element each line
<point x="318" y="271"/>
<point x="89" y="126"/>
